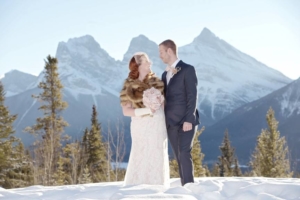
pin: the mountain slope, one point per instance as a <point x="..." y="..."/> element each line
<point x="227" y="77"/>
<point x="246" y="123"/>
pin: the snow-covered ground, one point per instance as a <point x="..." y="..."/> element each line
<point x="233" y="188"/>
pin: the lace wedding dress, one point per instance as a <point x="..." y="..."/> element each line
<point x="148" y="161"/>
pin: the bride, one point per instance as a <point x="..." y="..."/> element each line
<point x="148" y="160"/>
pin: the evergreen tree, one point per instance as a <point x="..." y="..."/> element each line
<point x="227" y="156"/>
<point x="236" y="170"/>
<point x="21" y="173"/>
<point x="207" y="172"/>
<point x="59" y="177"/>
<point x="224" y="167"/>
<point x="51" y="125"/>
<point x="197" y="156"/>
<point x="6" y="138"/>
<point x="6" y="122"/>
<point x="14" y="170"/>
<point x="270" y="157"/>
<point x="215" y="170"/>
<point x="97" y="154"/>
<point x="86" y="177"/>
<point x="84" y="153"/>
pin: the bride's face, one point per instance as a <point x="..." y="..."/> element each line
<point x="145" y="65"/>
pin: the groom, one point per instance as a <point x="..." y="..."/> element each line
<point x="181" y="112"/>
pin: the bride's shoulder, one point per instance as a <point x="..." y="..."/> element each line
<point x="128" y="81"/>
<point x="156" y="82"/>
<point x="153" y="77"/>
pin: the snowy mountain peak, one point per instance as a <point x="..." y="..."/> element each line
<point x="16" y="82"/>
<point x="140" y="38"/>
<point x="82" y="46"/>
<point x="206" y="36"/>
<point x="85" y="67"/>
<point x="140" y="43"/>
<point x="14" y="73"/>
<point x="84" y="40"/>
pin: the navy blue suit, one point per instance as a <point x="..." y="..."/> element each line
<point x="180" y="107"/>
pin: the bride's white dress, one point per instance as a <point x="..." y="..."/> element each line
<point x="148" y="161"/>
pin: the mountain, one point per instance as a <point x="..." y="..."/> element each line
<point x="227" y="79"/>
<point x="86" y="68"/>
<point x="142" y="43"/>
<point x="245" y="124"/>
<point x="16" y="82"/>
<point x="89" y="76"/>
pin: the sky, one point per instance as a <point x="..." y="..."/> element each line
<point x="267" y="30"/>
<point x="246" y="188"/>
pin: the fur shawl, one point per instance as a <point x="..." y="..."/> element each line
<point x="133" y="89"/>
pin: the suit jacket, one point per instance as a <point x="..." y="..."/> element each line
<point x="181" y="96"/>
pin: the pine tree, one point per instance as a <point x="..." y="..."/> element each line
<point x="59" y="177"/>
<point x="225" y="170"/>
<point x="84" y="153"/>
<point x="270" y="157"/>
<point x="12" y="155"/>
<point x="197" y="156"/>
<point x="97" y="155"/>
<point x="207" y="172"/>
<point x="51" y="126"/>
<point x="215" y="170"/>
<point x="86" y="177"/>
<point x="21" y="173"/>
<point x="227" y="156"/>
<point x="236" y="170"/>
<point x="6" y="121"/>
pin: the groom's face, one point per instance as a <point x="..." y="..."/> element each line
<point x="163" y="54"/>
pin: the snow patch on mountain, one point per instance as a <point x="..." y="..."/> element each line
<point x="15" y="82"/>
<point x="290" y="100"/>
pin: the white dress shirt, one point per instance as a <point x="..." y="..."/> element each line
<point x="169" y="73"/>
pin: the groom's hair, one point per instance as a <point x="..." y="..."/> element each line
<point x="170" y="44"/>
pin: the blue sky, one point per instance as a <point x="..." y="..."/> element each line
<point x="268" y="30"/>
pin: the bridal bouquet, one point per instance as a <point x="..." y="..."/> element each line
<point x="152" y="98"/>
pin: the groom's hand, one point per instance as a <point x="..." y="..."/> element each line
<point x="187" y="126"/>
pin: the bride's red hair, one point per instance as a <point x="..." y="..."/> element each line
<point x="134" y="69"/>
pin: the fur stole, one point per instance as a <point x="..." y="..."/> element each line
<point x="133" y="90"/>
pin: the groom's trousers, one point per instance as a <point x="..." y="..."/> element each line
<point x="182" y="143"/>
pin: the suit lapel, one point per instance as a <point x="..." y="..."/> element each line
<point x="164" y="79"/>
